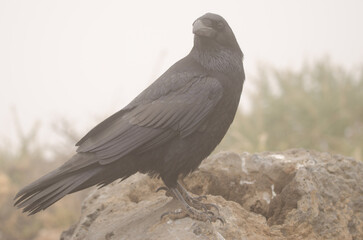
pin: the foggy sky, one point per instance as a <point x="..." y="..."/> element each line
<point x="83" y="60"/>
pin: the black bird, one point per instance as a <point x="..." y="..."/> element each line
<point x="166" y="131"/>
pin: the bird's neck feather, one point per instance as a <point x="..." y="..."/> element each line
<point x="218" y="59"/>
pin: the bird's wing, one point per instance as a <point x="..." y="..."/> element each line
<point x="150" y="124"/>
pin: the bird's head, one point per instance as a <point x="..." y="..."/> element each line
<point x="212" y="30"/>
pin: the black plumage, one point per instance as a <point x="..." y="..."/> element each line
<point x="166" y="131"/>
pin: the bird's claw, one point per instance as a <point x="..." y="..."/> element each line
<point x="210" y="206"/>
<point x="162" y="188"/>
<point x="200" y="198"/>
<point x="196" y="203"/>
<point x="194" y="214"/>
<point x="221" y="219"/>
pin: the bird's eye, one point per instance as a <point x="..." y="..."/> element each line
<point x="220" y="25"/>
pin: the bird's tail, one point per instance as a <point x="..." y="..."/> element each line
<point x="55" y="185"/>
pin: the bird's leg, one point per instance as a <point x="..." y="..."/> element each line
<point x="190" y="211"/>
<point x="195" y="202"/>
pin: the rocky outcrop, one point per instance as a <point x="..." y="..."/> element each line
<point x="296" y="194"/>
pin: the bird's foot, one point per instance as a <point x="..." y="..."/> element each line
<point x="195" y="202"/>
<point x="192" y="206"/>
<point x="194" y="214"/>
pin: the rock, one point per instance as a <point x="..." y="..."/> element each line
<point x="296" y="194"/>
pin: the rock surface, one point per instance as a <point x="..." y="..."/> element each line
<point x="296" y="194"/>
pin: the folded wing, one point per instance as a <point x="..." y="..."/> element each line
<point x="149" y="124"/>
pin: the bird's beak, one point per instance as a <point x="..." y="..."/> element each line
<point x="201" y="29"/>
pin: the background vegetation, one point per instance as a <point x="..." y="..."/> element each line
<point x="18" y="168"/>
<point x="317" y="107"/>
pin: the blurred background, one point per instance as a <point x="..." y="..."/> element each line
<point x="67" y="65"/>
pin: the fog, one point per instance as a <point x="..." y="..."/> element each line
<point x="83" y="60"/>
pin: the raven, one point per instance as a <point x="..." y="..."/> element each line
<point x="166" y="131"/>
